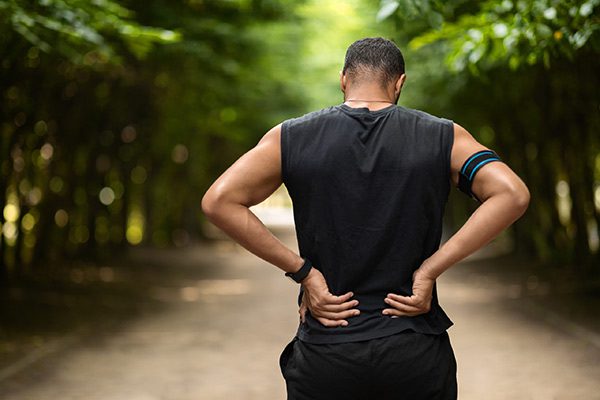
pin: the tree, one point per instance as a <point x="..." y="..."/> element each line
<point x="115" y="118"/>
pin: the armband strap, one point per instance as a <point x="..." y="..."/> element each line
<point x="471" y="166"/>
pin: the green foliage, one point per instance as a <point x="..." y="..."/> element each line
<point x="522" y="77"/>
<point x="107" y="140"/>
<point x="481" y="35"/>
<point x="73" y="28"/>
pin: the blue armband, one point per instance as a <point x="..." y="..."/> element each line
<point x="471" y="166"/>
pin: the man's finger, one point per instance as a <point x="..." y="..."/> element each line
<point x="402" y="306"/>
<point x="339" y="299"/>
<point x="331" y="323"/>
<point x="302" y="308"/>
<point x="339" y="307"/>
<point x="338" y="315"/>
<point x="408" y="300"/>
<point x="397" y="313"/>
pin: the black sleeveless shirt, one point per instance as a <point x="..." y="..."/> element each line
<point x="369" y="189"/>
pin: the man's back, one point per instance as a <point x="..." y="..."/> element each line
<point x="369" y="190"/>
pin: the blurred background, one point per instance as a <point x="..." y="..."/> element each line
<point x="116" y="116"/>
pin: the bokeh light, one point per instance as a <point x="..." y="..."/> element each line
<point x="179" y="154"/>
<point x="106" y="195"/>
<point x="11" y="212"/>
<point x="61" y="218"/>
<point x="135" y="227"/>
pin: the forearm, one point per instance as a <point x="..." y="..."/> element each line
<point x="489" y="219"/>
<point x="243" y="226"/>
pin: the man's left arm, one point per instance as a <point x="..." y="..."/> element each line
<point x="248" y="181"/>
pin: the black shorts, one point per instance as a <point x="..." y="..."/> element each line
<point x="405" y="365"/>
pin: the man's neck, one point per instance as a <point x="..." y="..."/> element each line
<point x="368" y="97"/>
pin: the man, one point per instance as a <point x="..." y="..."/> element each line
<point x="369" y="181"/>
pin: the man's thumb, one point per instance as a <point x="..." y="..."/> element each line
<point x="302" y="312"/>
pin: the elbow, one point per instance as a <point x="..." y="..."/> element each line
<point x="210" y="204"/>
<point x="521" y="198"/>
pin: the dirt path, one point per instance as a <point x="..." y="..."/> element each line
<point x="227" y="316"/>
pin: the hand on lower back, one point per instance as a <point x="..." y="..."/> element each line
<point x="418" y="303"/>
<point x="328" y="309"/>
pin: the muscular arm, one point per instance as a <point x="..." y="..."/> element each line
<point x="504" y="197"/>
<point x="248" y="181"/>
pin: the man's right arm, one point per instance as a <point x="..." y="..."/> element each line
<point x="504" y="196"/>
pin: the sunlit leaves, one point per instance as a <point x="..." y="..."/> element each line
<point x="388" y="7"/>
<point x="503" y="32"/>
<point x="74" y="28"/>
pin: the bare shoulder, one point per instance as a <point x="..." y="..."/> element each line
<point x="268" y="147"/>
<point x="272" y="138"/>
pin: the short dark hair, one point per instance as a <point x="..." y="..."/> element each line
<point x="374" y="55"/>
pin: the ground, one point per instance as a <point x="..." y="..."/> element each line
<point x="210" y="321"/>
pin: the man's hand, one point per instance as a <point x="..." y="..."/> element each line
<point x="418" y="303"/>
<point x="328" y="309"/>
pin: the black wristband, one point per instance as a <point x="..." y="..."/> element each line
<point x="302" y="273"/>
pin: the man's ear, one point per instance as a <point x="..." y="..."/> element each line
<point x="342" y="82"/>
<point x="400" y="83"/>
